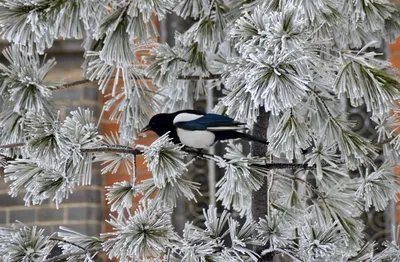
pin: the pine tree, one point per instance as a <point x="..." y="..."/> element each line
<point x="284" y="67"/>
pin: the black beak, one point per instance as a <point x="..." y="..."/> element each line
<point x="146" y="128"/>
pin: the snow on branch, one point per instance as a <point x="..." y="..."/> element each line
<point x="36" y="24"/>
<point x="288" y="58"/>
<point x="367" y="80"/>
<point x="23" y="243"/>
<point x="145" y="233"/>
<point x="53" y="162"/>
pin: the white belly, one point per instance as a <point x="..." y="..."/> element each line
<point x="197" y="139"/>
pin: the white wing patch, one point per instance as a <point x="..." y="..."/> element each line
<point x="184" y="117"/>
<point x="222" y="128"/>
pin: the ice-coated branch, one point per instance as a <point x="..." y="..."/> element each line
<point x="384" y="142"/>
<point x="204" y="155"/>
<point x="135" y="151"/>
<point x="73" y="84"/>
<point x="193" y="152"/>
<point x="193" y="77"/>
<point x="114" y="149"/>
<point x="15" y="145"/>
<point x="66" y="242"/>
<point x="180" y="77"/>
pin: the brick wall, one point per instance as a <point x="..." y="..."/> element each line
<point x="84" y="210"/>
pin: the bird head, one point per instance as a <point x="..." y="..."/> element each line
<point x="160" y="123"/>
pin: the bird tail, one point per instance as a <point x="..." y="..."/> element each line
<point x="252" y="138"/>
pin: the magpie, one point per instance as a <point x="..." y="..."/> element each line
<point x="197" y="129"/>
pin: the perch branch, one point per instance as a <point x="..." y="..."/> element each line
<point x="134" y="151"/>
<point x="193" y="152"/>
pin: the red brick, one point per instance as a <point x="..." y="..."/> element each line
<point x="395" y="46"/>
<point x="395" y="59"/>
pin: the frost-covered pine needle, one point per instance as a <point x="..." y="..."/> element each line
<point x="165" y="160"/>
<point x="144" y="234"/>
<point x="23" y="243"/>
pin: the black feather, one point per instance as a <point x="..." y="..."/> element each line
<point x="163" y="123"/>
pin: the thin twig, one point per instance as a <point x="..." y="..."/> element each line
<point x="313" y="188"/>
<point x="168" y="254"/>
<point x="74" y="254"/>
<point x="13" y="145"/>
<point x="203" y="155"/>
<point x="283" y="166"/>
<point x="113" y="149"/>
<point x="388" y="140"/>
<point x="210" y="77"/>
<point x="73" y="84"/>
<point x="211" y="7"/>
<point x="84" y="81"/>
<point x="324" y="105"/>
<point x="180" y="77"/>
<point x="134" y="175"/>
<point x="67" y="242"/>
<point x="269" y="193"/>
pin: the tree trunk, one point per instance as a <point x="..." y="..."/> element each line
<point x="259" y="200"/>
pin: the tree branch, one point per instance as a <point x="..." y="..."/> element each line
<point x="114" y="149"/>
<point x="14" y="145"/>
<point x="180" y="77"/>
<point x="193" y="152"/>
<point x="386" y="141"/>
<point x="134" y="174"/>
<point x="203" y="155"/>
<point x="197" y="153"/>
<point x="259" y="199"/>
<point x="210" y="77"/>
<point x="73" y="84"/>
<point x="67" y="242"/>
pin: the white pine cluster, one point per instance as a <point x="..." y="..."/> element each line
<point x="297" y="59"/>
